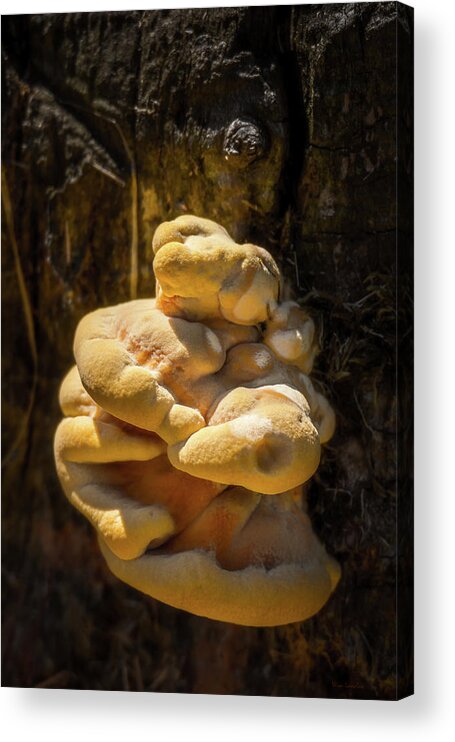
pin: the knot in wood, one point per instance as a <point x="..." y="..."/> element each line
<point x="244" y="142"/>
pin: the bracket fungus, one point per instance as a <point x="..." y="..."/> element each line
<point x="191" y="424"/>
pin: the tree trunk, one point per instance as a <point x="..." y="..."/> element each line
<point x="292" y="127"/>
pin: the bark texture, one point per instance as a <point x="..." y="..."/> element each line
<point x="292" y="127"/>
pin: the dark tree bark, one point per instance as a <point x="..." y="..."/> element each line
<point x="292" y="127"/>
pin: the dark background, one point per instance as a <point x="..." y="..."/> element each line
<point x="113" y="122"/>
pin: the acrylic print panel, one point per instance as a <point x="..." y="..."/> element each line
<point x="238" y="435"/>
